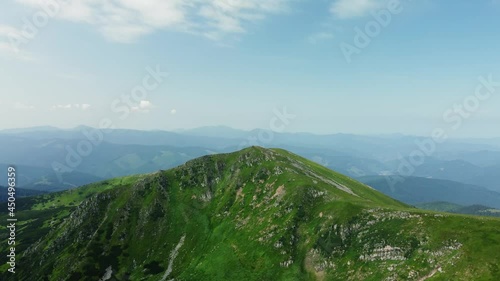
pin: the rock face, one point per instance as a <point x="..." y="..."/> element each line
<point x="256" y="214"/>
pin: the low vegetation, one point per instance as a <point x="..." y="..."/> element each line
<point x="256" y="214"/>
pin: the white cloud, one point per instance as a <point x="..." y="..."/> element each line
<point x="8" y="36"/>
<point x="347" y="9"/>
<point x="7" y="30"/>
<point x="76" y="106"/>
<point x="62" y="106"/>
<point x="127" y="20"/>
<point x="144" y="106"/>
<point x="22" y="106"/>
<point x="173" y="111"/>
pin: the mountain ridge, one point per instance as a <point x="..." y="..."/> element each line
<point x="255" y="214"/>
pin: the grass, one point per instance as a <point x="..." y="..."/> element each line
<point x="252" y="215"/>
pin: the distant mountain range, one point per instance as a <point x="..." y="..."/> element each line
<point x="19" y="193"/>
<point x="477" y="210"/>
<point x="415" y="190"/>
<point x="122" y="152"/>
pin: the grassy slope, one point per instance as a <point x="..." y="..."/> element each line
<point x="252" y="215"/>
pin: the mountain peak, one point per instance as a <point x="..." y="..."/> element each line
<point x="254" y="214"/>
<point x="257" y="163"/>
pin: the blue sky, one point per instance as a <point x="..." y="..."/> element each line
<point x="234" y="62"/>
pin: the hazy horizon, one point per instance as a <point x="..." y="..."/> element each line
<point x="181" y="130"/>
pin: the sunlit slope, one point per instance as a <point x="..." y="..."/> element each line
<point x="256" y="214"/>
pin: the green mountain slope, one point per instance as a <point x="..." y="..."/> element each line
<point x="256" y="214"/>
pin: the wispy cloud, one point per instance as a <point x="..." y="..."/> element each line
<point x="7" y="30"/>
<point x="9" y="34"/>
<point x="127" y="20"/>
<point x="75" y="106"/>
<point x="341" y="11"/>
<point x="144" y="107"/>
<point x="22" y="106"/>
<point x="348" y="9"/>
